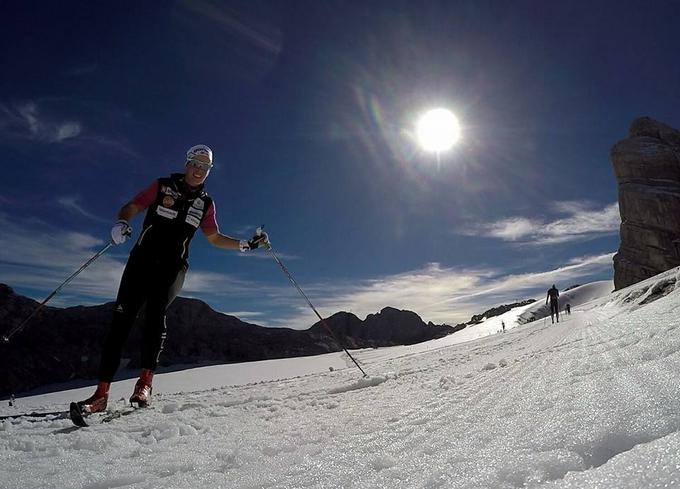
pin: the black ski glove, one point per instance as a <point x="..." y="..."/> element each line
<point x="259" y="239"/>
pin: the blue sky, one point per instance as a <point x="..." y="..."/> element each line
<point x="310" y="109"/>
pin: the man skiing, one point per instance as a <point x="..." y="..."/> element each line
<point x="176" y="207"/>
<point x="553" y="295"/>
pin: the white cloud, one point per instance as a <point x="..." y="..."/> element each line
<point x="27" y="121"/>
<point x="244" y="315"/>
<point x="34" y="122"/>
<point x="200" y="282"/>
<point x="513" y="229"/>
<point x="35" y="255"/>
<point x="40" y="257"/>
<point x="67" y="130"/>
<point x="442" y="294"/>
<point x="582" y="222"/>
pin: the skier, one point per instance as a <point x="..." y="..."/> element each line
<point x="503" y="325"/>
<point x="553" y="295"/>
<point x="176" y="207"/>
<point x="568" y="309"/>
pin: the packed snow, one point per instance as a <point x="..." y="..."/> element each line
<point x="591" y="401"/>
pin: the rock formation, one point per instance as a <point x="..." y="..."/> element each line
<point x="389" y="326"/>
<point x="647" y="168"/>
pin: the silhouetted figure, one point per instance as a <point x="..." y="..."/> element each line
<point x="553" y="296"/>
<point x="11" y="400"/>
<point x="568" y="309"/>
<point x="503" y="325"/>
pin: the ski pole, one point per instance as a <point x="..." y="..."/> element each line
<point x="23" y="324"/>
<point x="323" y="321"/>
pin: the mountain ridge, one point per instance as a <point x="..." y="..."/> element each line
<point x="62" y="344"/>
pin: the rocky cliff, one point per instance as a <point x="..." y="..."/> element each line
<point x="647" y="168"/>
<point x="65" y="344"/>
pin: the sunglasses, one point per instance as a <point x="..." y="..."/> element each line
<point x="200" y="165"/>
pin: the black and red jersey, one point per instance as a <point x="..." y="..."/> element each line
<point x="172" y="218"/>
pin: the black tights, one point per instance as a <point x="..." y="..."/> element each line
<point x="144" y="280"/>
<point x="555" y="310"/>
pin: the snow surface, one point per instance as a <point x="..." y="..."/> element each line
<point x="590" y="402"/>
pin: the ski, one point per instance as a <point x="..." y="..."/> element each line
<point x="122" y="412"/>
<point x="80" y="418"/>
<point x="36" y="416"/>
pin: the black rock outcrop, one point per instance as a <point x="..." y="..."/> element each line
<point x="388" y="327"/>
<point x="497" y="311"/>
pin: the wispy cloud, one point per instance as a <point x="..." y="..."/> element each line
<point x="28" y="122"/>
<point x="39" y="257"/>
<point x="257" y="35"/>
<point x="72" y="203"/>
<point x="200" y="282"/>
<point x="581" y="222"/>
<point x="33" y="121"/>
<point x="442" y="294"/>
<point x="244" y="315"/>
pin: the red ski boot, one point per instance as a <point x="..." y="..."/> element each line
<point x="96" y="403"/>
<point x="142" y="393"/>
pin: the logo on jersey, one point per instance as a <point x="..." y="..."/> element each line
<point x="195" y="212"/>
<point x="199" y="204"/>
<point x="193" y="220"/>
<point x="168" y="191"/>
<point x="169" y="213"/>
<point x="168" y="201"/>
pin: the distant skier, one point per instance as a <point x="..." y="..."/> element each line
<point x="568" y="309"/>
<point x="553" y="296"/>
<point x="503" y="326"/>
<point x="177" y="206"/>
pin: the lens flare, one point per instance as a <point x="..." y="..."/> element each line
<point x="438" y="130"/>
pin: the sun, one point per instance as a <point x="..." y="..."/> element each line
<point x="438" y="130"/>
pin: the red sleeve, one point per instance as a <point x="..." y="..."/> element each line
<point x="147" y="196"/>
<point x="209" y="222"/>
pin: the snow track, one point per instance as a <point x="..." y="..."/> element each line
<point x="589" y="402"/>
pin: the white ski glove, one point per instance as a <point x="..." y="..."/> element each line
<point x="243" y="246"/>
<point x="120" y="232"/>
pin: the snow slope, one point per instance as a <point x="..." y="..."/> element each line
<point x="575" y="297"/>
<point x="591" y="402"/>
